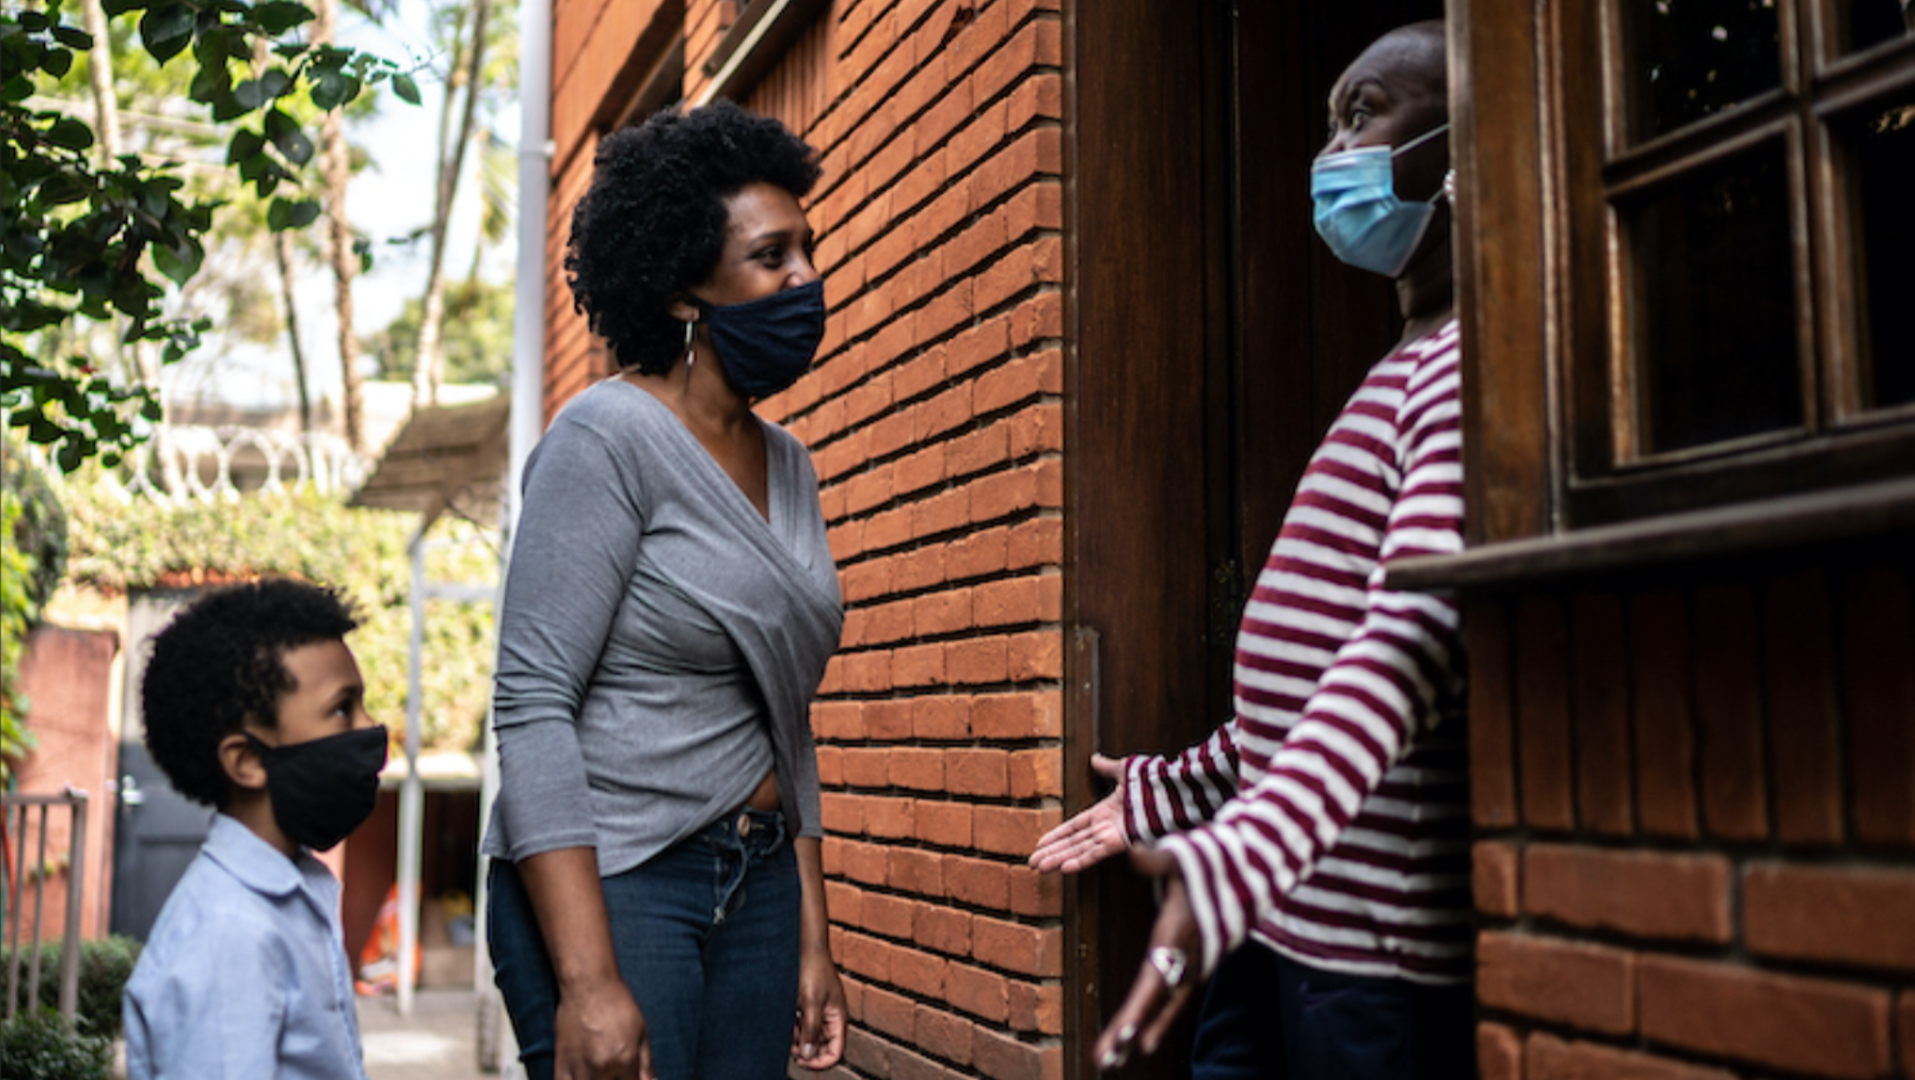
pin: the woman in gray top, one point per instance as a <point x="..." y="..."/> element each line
<point x="657" y="896"/>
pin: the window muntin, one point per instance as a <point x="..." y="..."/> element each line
<point x="1881" y="144"/>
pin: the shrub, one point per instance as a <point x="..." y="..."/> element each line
<point x="105" y="965"/>
<point x="38" y="1045"/>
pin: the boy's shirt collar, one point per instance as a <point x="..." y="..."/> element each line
<point x="257" y="864"/>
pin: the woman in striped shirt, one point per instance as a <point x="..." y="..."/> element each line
<point x="1324" y="828"/>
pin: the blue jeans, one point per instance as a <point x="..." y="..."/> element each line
<point x="706" y="937"/>
<point x="1268" y="1017"/>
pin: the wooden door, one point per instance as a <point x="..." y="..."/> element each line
<point x="1214" y="338"/>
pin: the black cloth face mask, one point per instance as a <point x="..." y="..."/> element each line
<point x="764" y="345"/>
<point x="323" y="789"/>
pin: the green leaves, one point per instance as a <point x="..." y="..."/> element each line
<point x="82" y="241"/>
<point x="166" y="30"/>
<point x="291" y="214"/>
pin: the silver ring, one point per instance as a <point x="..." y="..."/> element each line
<point x="1171" y="963"/>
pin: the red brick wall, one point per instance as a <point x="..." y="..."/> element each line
<point x="68" y="678"/>
<point x="935" y="420"/>
<point x="1696" y="816"/>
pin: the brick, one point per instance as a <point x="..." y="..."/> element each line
<point x="1033" y="894"/>
<point x="1016" y="716"/>
<point x="1012" y="830"/>
<point x="1036" y="774"/>
<point x="1007" y="601"/>
<point x="1002" y="494"/>
<point x="947" y="930"/>
<point x="867" y="1053"/>
<point x="919" y="972"/>
<point x="1494" y="875"/>
<point x="979" y="450"/>
<point x="837" y="719"/>
<point x="890" y="819"/>
<point x="918" y="768"/>
<point x="887" y="720"/>
<point x="1551" y="1058"/>
<point x="841" y="813"/>
<point x="947" y="824"/>
<point x="977" y="772"/>
<point x="863" y="863"/>
<point x="868" y="672"/>
<point x="917" y="665"/>
<point x="978" y="882"/>
<point x="1858" y="915"/>
<point x="1646" y="894"/>
<point x="863" y="955"/>
<point x="1003" y="1057"/>
<point x="1777" y="1021"/>
<point x="889" y="529"/>
<point x="868" y="768"/>
<point x="1037" y="654"/>
<point x="830" y="766"/>
<point x="1037" y="428"/>
<point x="943" y="512"/>
<point x="977" y="661"/>
<point x="1499" y="1053"/>
<point x="941" y="716"/>
<point x="914" y="871"/>
<point x="889" y="1013"/>
<point x="984" y="552"/>
<point x="942" y="613"/>
<point x="845" y="903"/>
<point x="944" y="1034"/>
<point x="1039" y="542"/>
<point x="1027" y="950"/>
<point x="977" y="991"/>
<point x="888" y="915"/>
<point x="908" y="1064"/>
<point x="1585" y="986"/>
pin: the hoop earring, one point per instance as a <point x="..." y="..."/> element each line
<point x="691" y="355"/>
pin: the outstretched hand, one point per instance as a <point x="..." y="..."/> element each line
<point x="1093" y="835"/>
<point x="1168" y="977"/>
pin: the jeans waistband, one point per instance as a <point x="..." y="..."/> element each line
<point x="753" y="832"/>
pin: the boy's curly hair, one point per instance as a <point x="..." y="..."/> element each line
<point x="219" y="663"/>
<point x="652" y="224"/>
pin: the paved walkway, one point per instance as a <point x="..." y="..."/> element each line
<point x="439" y="1041"/>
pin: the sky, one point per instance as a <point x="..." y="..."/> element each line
<point x="390" y="198"/>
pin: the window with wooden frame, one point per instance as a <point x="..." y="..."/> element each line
<point x="1733" y="222"/>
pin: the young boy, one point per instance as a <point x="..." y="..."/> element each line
<point x="253" y="705"/>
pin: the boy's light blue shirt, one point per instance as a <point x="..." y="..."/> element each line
<point x="244" y="974"/>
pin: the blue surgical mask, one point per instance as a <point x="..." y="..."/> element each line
<point x="1358" y="213"/>
<point x="764" y="345"/>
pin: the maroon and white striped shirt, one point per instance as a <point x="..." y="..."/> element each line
<point x="1329" y="817"/>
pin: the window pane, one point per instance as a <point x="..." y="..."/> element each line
<point x="1693" y="58"/>
<point x="1715" y="307"/>
<point x="1885" y="154"/>
<point x="1871" y="22"/>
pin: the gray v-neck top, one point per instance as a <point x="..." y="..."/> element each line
<point x="660" y="641"/>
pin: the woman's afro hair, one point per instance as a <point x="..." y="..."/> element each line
<point x="652" y="225"/>
<point x="219" y="663"/>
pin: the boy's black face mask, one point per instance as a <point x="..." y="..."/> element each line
<point x="323" y="789"/>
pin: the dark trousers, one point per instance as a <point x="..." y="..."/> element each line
<point x="1267" y="1017"/>
<point x="706" y="937"/>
